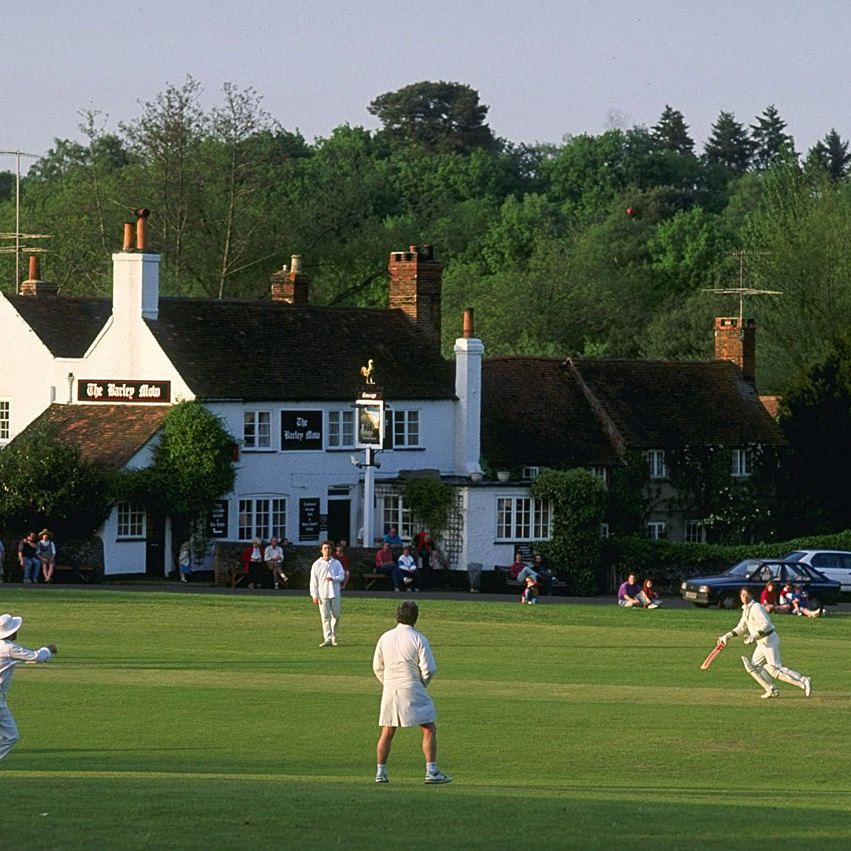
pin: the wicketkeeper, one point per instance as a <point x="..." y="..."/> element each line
<point x="765" y="663"/>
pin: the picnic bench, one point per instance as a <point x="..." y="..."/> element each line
<point x="85" y="573"/>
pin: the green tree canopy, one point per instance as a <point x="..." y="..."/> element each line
<point x="729" y="145"/>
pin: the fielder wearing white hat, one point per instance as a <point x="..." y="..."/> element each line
<point x="11" y="654"/>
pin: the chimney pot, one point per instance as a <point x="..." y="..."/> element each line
<point x="295" y="264"/>
<point x="469" y="326"/>
<point x="413" y="249"/>
<point x="128" y="236"/>
<point x="141" y="230"/>
<point x="35" y="270"/>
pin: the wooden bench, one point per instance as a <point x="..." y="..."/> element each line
<point x="371" y="578"/>
<point x="513" y="586"/>
<point x="236" y="575"/>
<point x="87" y="573"/>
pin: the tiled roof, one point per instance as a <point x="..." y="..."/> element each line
<point x="263" y="350"/>
<point x="664" y="404"/>
<point x="273" y="350"/>
<point x="108" y="435"/>
<point x="66" y="325"/>
<point x="534" y="413"/>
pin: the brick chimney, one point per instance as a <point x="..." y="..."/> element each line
<point x="735" y="340"/>
<point x="415" y="284"/>
<point x="292" y="287"/>
<point x="33" y="285"/>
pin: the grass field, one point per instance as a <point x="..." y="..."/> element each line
<point x="209" y="721"/>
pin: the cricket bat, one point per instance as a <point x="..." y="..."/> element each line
<point x="711" y="657"/>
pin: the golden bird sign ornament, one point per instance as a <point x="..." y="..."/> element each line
<point x="368" y="372"/>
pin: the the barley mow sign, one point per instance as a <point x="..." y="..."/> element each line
<point x="105" y="390"/>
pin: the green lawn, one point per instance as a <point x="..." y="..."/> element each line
<point x="208" y="721"/>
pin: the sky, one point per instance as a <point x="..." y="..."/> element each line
<point x="545" y="68"/>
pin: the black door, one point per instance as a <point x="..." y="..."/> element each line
<point x="339" y="519"/>
<point x="155" y="546"/>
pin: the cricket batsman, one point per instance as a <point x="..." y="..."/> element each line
<point x="765" y="663"/>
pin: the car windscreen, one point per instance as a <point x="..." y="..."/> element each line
<point x="765" y="572"/>
<point x="796" y="555"/>
<point x="743" y="568"/>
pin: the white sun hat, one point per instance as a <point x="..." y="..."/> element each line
<point x="9" y="625"/>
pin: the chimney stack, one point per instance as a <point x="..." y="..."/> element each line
<point x="33" y="285"/>
<point x="136" y="275"/>
<point x="735" y="340"/>
<point x="292" y="287"/>
<point x="469" y="352"/>
<point x="415" y="287"/>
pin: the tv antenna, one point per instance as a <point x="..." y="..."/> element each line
<point x="741" y="291"/>
<point x="17" y="235"/>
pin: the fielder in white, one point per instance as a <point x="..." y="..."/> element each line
<point x="12" y="654"/>
<point x="404" y="665"/>
<point x="326" y="576"/>
<point x="765" y="662"/>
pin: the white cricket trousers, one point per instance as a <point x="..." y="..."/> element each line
<point x="8" y="730"/>
<point x="329" y="611"/>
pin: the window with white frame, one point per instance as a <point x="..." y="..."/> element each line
<point x="601" y="475"/>
<point x="341" y="429"/>
<point x="4" y="419"/>
<point x="531" y="473"/>
<point x="656" y="530"/>
<point x="523" y="519"/>
<point x="405" y="428"/>
<point x="262" y="518"/>
<point x="257" y="430"/>
<point x="604" y="530"/>
<point x="742" y="463"/>
<point x="656" y="462"/>
<point x="695" y="533"/>
<point x="395" y="514"/>
<point x="131" y="520"/>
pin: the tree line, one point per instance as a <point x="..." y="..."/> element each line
<point x="602" y="245"/>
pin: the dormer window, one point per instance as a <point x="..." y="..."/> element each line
<point x="742" y="463"/>
<point x="531" y="473"/>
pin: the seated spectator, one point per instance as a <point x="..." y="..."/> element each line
<point x="392" y="538"/>
<point x="408" y="569"/>
<point x="519" y="570"/>
<point x="801" y="604"/>
<point x="252" y="563"/>
<point x="530" y="592"/>
<point x="28" y="559"/>
<point x="628" y="592"/>
<point x="648" y="597"/>
<point x="768" y="597"/>
<point x="273" y="555"/>
<point x="784" y="601"/>
<point x="386" y="563"/>
<point x="45" y="549"/>
<point x="343" y="557"/>
<point x="184" y="561"/>
<point x="545" y="576"/>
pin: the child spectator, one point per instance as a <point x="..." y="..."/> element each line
<point x="648" y="597"/>
<point x="530" y="592"/>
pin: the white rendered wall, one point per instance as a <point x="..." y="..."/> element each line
<point x="481" y="543"/>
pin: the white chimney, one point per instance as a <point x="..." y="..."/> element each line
<point x="468" y="389"/>
<point x="136" y="276"/>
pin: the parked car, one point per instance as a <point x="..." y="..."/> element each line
<point x="834" y="564"/>
<point x="754" y="573"/>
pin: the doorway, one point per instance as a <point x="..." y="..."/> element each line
<point x="155" y="545"/>
<point x="339" y="519"/>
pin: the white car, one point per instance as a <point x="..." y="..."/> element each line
<point x="834" y="564"/>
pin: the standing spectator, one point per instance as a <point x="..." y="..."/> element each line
<point x="2" y="561"/>
<point x="252" y="563"/>
<point x="28" y="559"/>
<point x="10" y="655"/>
<point x="404" y="665"/>
<point x="408" y="569"/>
<point x="184" y="561"/>
<point x="343" y="557"/>
<point x="765" y="663"/>
<point x="648" y="597"/>
<point x="326" y="576"/>
<point x="423" y="544"/>
<point x="628" y="592"/>
<point x="274" y="558"/>
<point x="386" y="563"/>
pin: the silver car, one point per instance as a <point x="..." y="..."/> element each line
<point x="834" y="564"/>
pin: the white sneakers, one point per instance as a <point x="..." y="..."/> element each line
<point x="775" y="692"/>
<point x="381" y="778"/>
<point x="433" y="778"/>
<point x="807" y="686"/>
<point x="325" y="644"/>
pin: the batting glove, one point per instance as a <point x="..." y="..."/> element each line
<point x="722" y="639"/>
<point x="749" y="640"/>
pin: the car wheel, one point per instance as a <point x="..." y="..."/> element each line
<point x="729" y="601"/>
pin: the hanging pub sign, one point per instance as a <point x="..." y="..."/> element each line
<point x="301" y="430"/>
<point x="308" y="519"/>
<point x="217" y="522"/>
<point x="113" y="391"/>
<point x="370" y="418"/>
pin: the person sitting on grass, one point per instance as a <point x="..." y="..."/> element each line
<point x="648" y="597"/>
<point x="628" y="592"/>
<point x="768" y="597"/>
<point x="801" y="604"/>
<point x="784" y="601"/>
<point x="530" y="592"/>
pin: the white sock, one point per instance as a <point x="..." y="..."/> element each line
<point x="431" y="768"/>
<point x="381" y="769"/>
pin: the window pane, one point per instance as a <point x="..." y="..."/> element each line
<point x="523" y="518"/>
<point x="503" y="518"/>
<point x="413" y="428"/>
<point x="4" y="420"/>
<point x="246" y="513"/>
<point x="264" y="429"/>
<point x="261" y="518"/>
<point x="249" y="430"/>
<point x="348" y="437"/>
<point x="334" y="438"/>
<point x="279" y="518"/>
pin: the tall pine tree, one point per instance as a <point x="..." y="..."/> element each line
<point x="770" y="144"/>
<point x="670" y="133"/>
<point x="729" y="145"/>
<point x="831" y="154"/>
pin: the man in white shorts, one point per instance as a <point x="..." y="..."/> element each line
<point x="404" y="665"/>
<point x="765" y="662"/>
